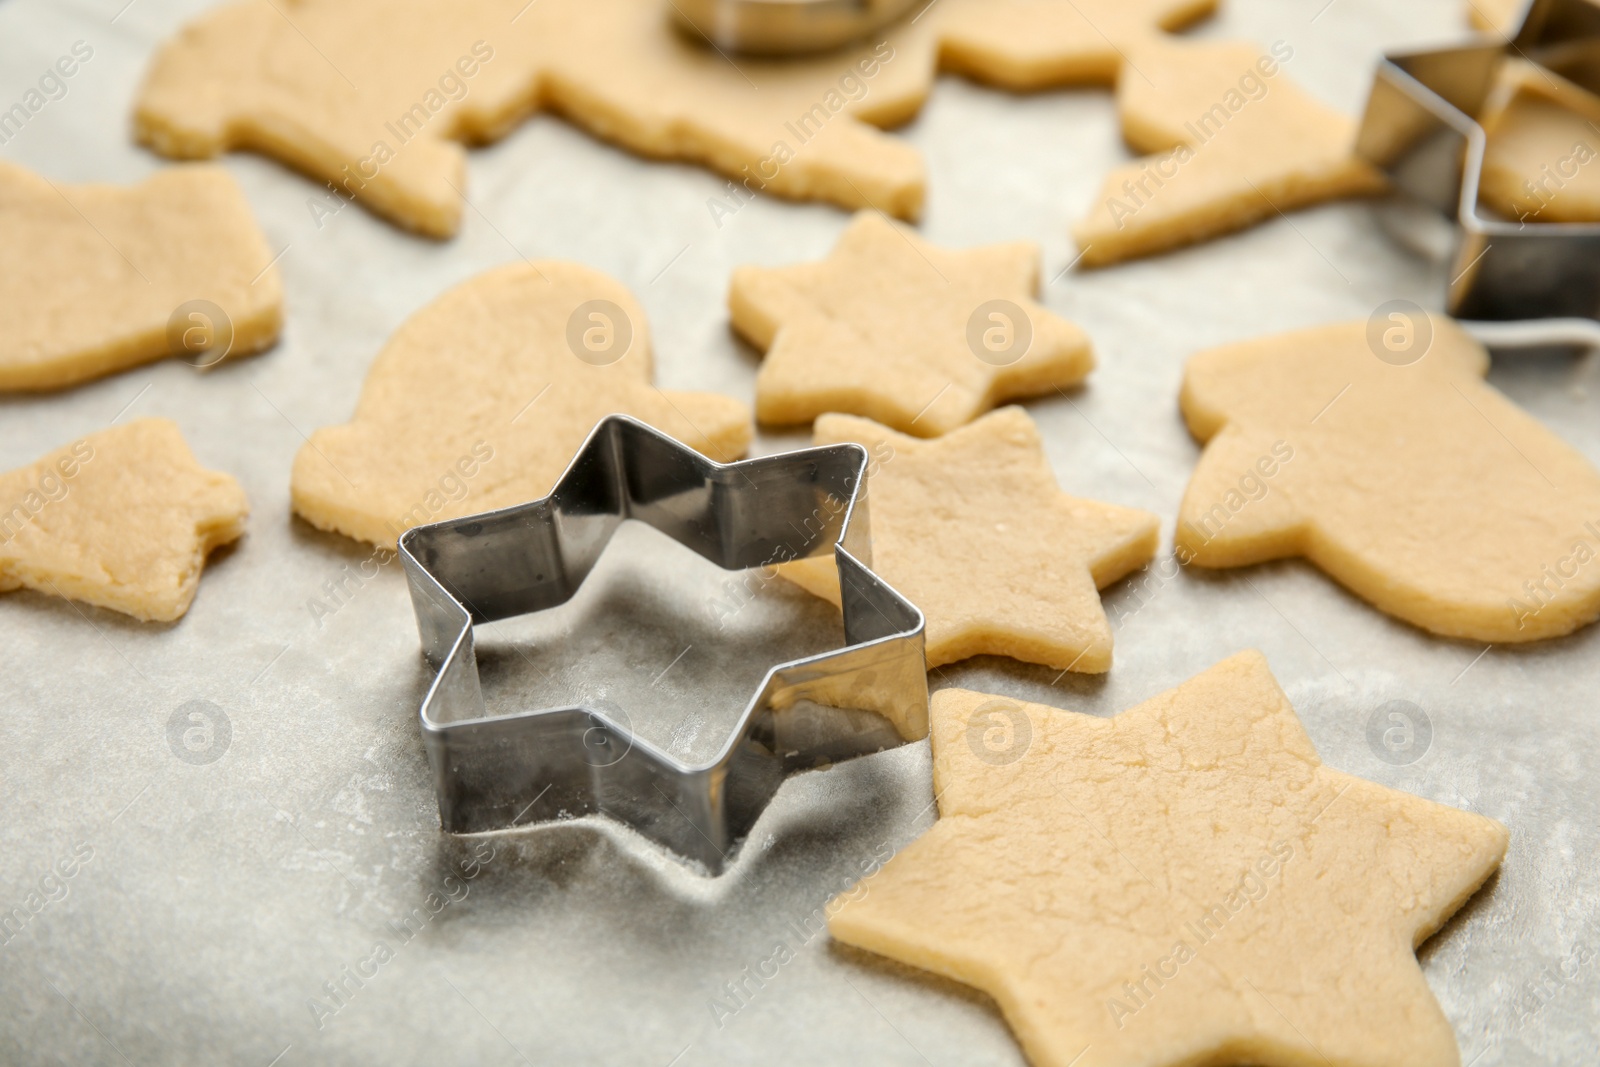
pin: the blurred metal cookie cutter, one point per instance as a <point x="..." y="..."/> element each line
<point x="781" y="27"/>
<point x="1419" y="129"/>
<point x="493" y="773"/>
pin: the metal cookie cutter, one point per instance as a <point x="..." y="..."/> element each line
<point x="1419" y="129"/>
<point x="777" y="27"/>
<point x="494" y="773"/>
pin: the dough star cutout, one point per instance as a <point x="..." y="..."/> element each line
<point x="481" y="399"/>
<point x="1182" y="883"/>
<point x="920" y="338"/>
<point x="1407" y="478"/>
<point x="1228" y="140"/>
<point x="376" y="97"/>
<point x="122" y="519"/>
<point x="973" y="529"/>
<point x="108" y="266"/>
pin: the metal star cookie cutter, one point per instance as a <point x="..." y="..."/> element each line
<point x="498" y="772"/>
<point x="1419" y="129"/>
<point x="784" y="27"/>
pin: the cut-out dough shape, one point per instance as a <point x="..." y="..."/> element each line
<point x="973" y="529"/>
<point x="1229" y="141"/>
<point x="1541" y="159"/>
<point x="480" y="400"/>
<point x="920" y="338"/>
<point x="1496" y="16"/>
<point x="1418" y="486"/>
<point x="123" y="519"/>
<point x="106" y="267"/>
<point x="1183" y="883"/>
<point x="372" y="95"/>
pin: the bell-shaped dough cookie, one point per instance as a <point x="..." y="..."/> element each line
<point x="972" y="528"/>
<point x="481" y="399"/>
<point x="374" y="96"/>
<point x="106" y="268"/>
<point x="1183" y="883"/>
<point x="1229" y="141"/>
<point x="123" y="519"/>
<point x="1408" y="479"/>
<point x="920" y="338"/>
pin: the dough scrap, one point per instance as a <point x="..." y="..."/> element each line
<point x="321" y="84"/>
<point x="890" y="327"/>
<point x="1419" y="487"/>
<point x="1183" y="883"/>
<point x="108" y="266"/>
<point x="480" y="400"/>
<point x="122" y="519"/>
<point x="972" y="528"/>
<point x="1228" y="141"/>
<point x="1541" y="159"/>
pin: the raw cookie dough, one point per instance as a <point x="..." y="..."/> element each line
<point x="1497" y="16"/>
<point x="107" y="267"/>
<point x="123" y="519"/>
<point x="1541" y="148"/>
<point x="1229" y="141"/>
<point x="1183" y="883"/>
<point x="1415" y="484"/>
<point x="920" y="338"/>
<point x="482" y="398"/>
<point x="973" y="530"/>
<point x="373" y="96"/>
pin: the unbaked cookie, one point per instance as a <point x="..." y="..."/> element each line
<point x="1229" y="141"/>
<point x="481" y="399"/>
<point x="1183" y="883"/>
<point x="107" y="267"/>
<point x="917" y="337"/>
<point x="973" y="529"/>
<point x="374" y="96"/>
<point x="123" y="519"/>
<point x="1376" y="450"/>
<point x="1541" y="159"/>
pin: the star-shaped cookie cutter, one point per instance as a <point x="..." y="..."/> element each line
<point x="497" y="772"/>
<point x="1419" y="129"/>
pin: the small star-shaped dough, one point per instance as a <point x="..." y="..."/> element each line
<point x="972" y="529"/>
<point x="1229" y="141"/>
<point x="375" y="97"/>
<point x="1183" y="883"/>
<point x="1408" y="479"/>
<point x="481" y="399"/>
<point x="919" y="338"/>
<point x="123" y="519"/>
<point x="1541" y="141"/>
<point x="106" y="268"/>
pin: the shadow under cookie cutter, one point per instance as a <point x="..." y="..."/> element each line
<point x="1517" y="282"/>
<point x="494" y="773"/>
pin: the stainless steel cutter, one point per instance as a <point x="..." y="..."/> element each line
<point x="498" y="772"/>
<point x="1420" y="130"/>
<point x="778" y="27"/>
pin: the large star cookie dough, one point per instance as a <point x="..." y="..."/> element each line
<point x="106" y="268"/>
<point x="1407" y="478"/>
<point x="914" y="336"/>
<point x="1228" y="141"/>
<point x="481" y="399"/>
<point x="1542" y="143"/>
<point x="1184" y="883"/>
<point x="375" y="96"/>
<point x="123" y="519"/>
<point x="972" y="528"/>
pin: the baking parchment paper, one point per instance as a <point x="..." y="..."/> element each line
<point x="238" y="878"/>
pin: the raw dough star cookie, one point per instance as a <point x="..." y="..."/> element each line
<point x="1184" y="883"/>
<point x="123" y="519"/>
<point x="106" y="267"/>
<point x="372" y="95"/>
<point x="1415" y="484"/>
<point x="917" y="337"/>
<point x="973" y="530"/>
<point x="1229" y="141"/>
<point x="481" y="399"/>
<point x="1541" y="147"/>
